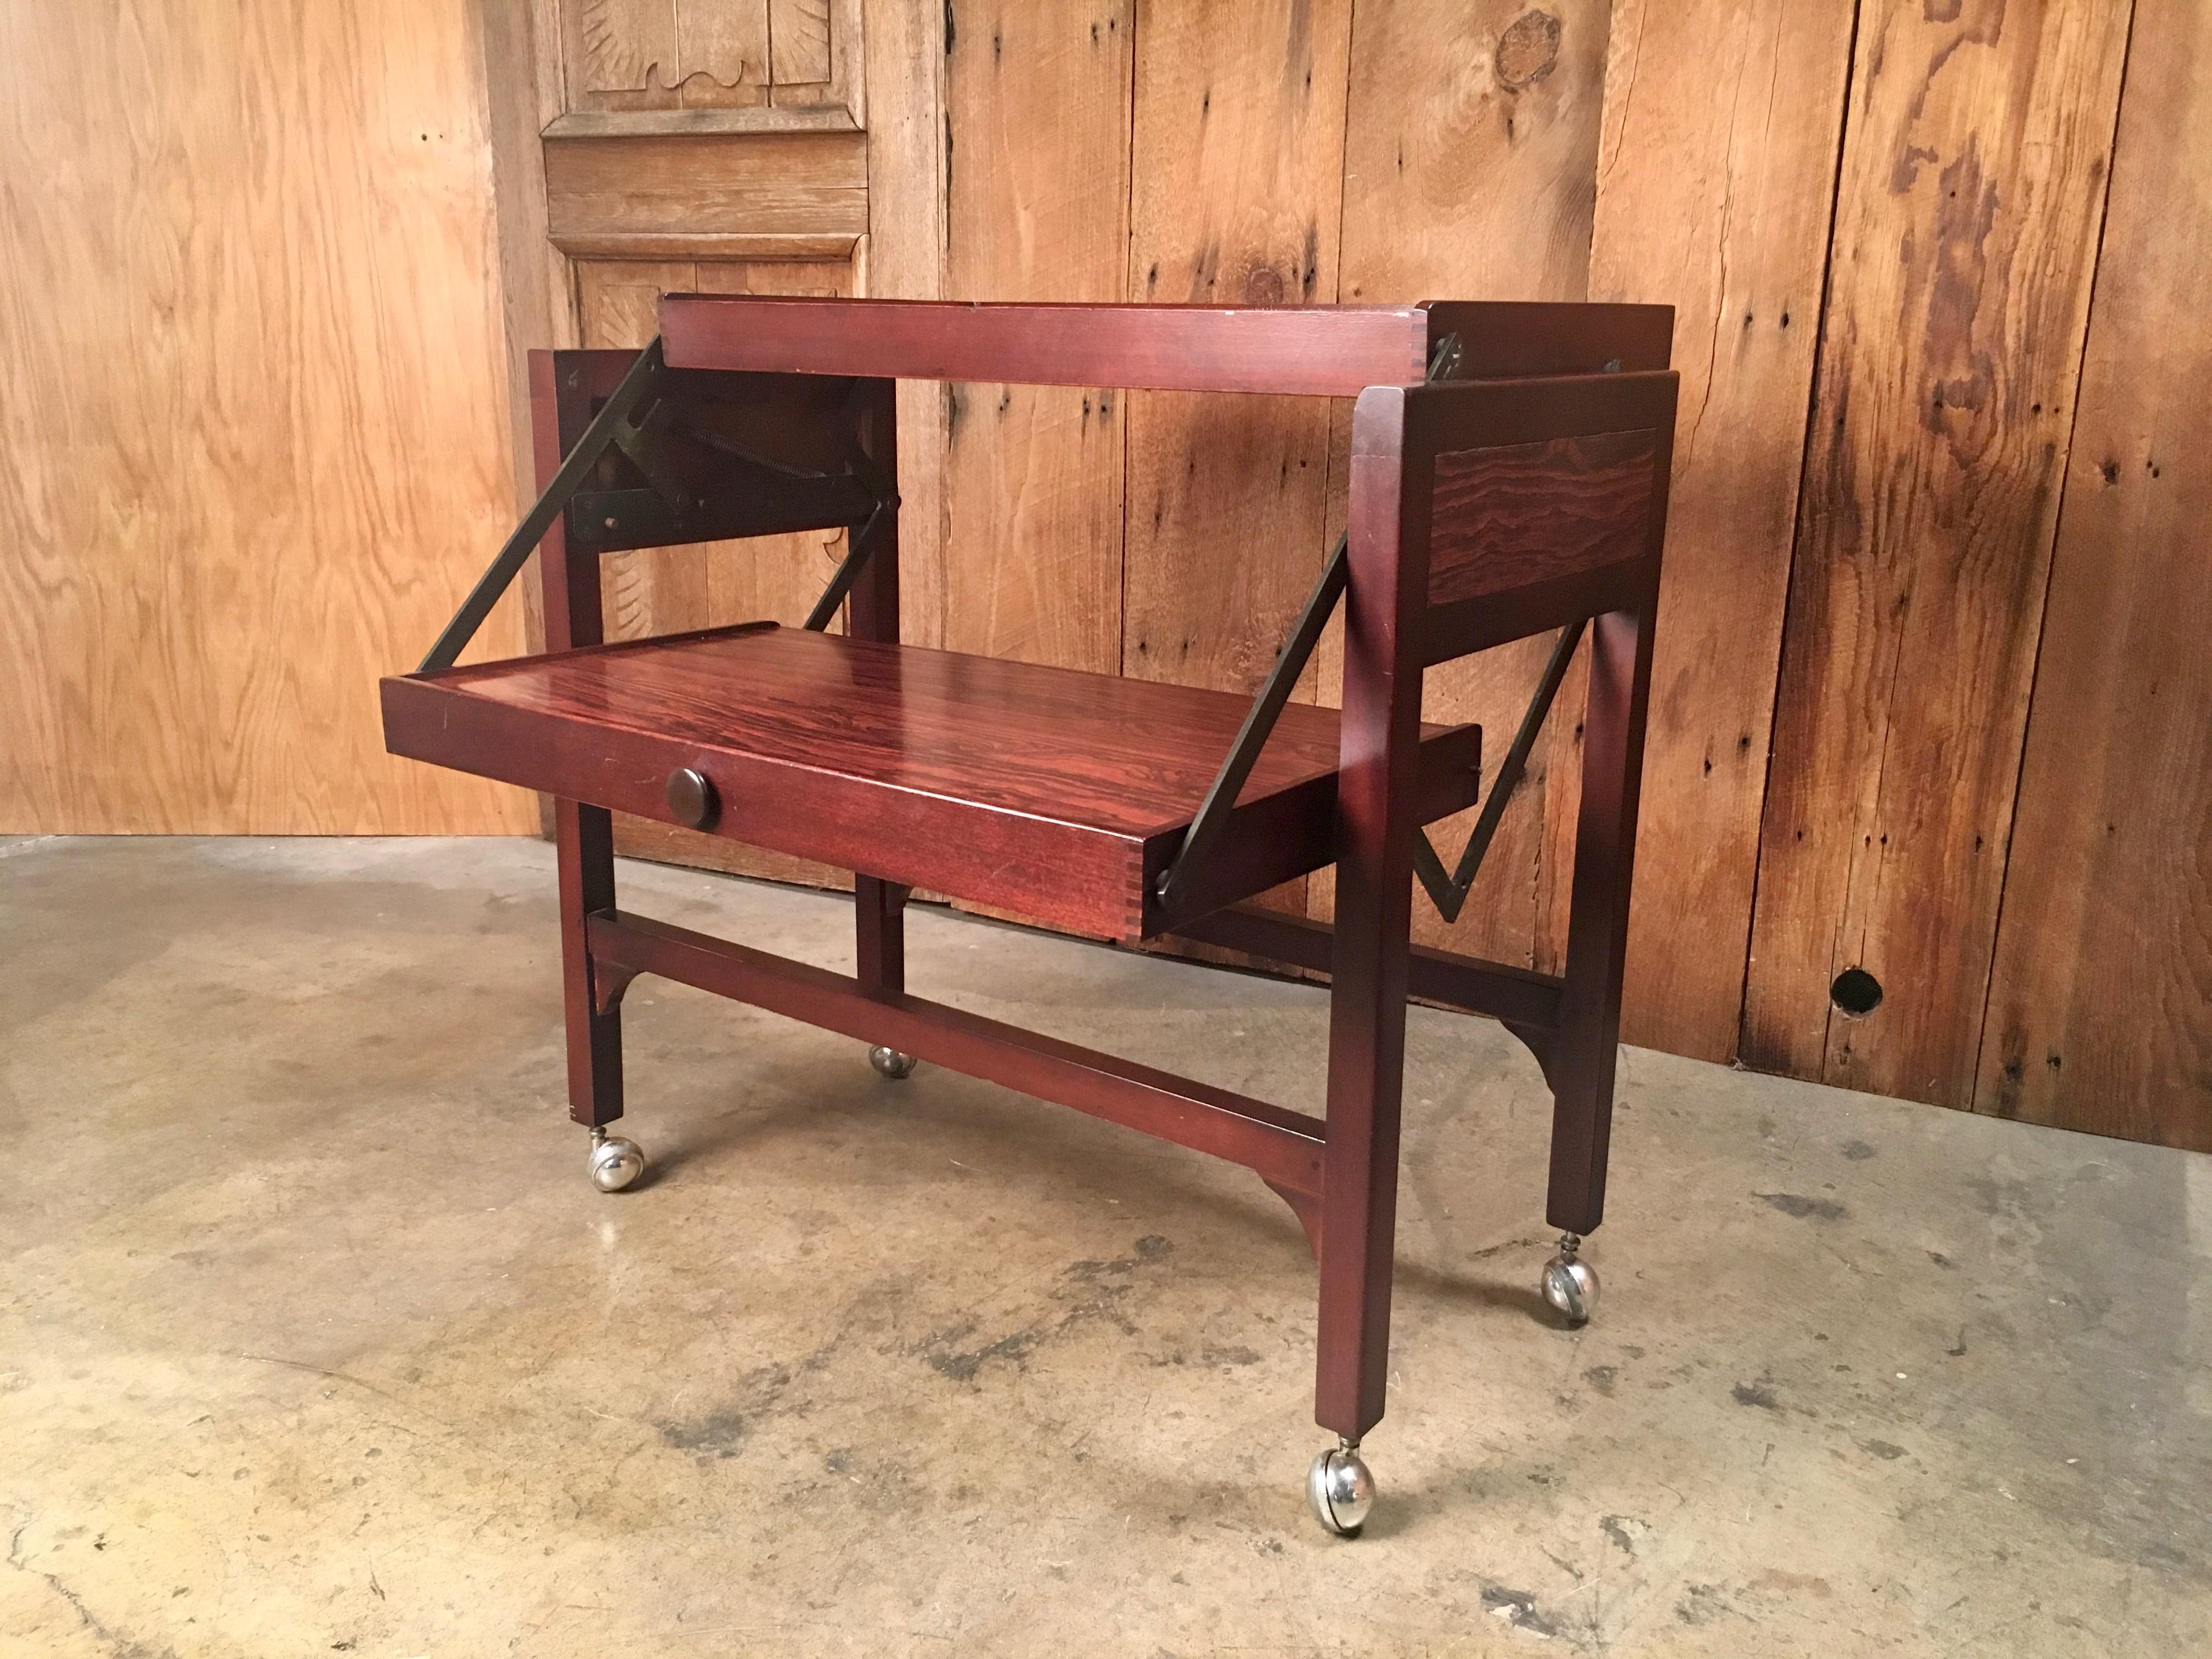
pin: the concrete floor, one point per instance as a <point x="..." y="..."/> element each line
<point x="313" y="1337"/>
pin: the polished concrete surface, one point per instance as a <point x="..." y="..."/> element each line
<point x="315" y="1339"/>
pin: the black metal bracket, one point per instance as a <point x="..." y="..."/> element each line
<point x="701" y="483"/>
<point x="1450" y="891"/>
<point x="1275" y="691"/>
<point x="865" y="536"/>
<point x="1259" y="721"/>
<point x="614" y="416"/>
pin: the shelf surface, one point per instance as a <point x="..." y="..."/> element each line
<point x="1048" y="792"/>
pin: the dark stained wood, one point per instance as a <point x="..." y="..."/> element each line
<point x="1580" y="1063"/>
<point x="1388" y="531"/>
<point x="1046" y="791"/>
<point x="1515" y="339"/>
<point x="1477" y="511"/>
<point x="583" y="833"/>
<point x="1284" y="1146"/>
<point x="1595" y="444"/>
<point x="872" y="612"/>
<point x="1323" y="351"/>
<point x="1507" y="516"/>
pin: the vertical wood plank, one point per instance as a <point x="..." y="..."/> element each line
<point x="2101" y="1001"/>
<point x="903" y="257"/>
<point x="1972" y="188"/>
<point x="1038" y="104"/>
<point x="1723" y="126"/>
<point x="1469" y="173"/>
<point x="1235" y="201"/>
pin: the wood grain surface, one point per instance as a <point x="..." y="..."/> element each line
<point x="1033" y="474"/>
<point x="789" y="183"/>
<point x="1972" y="187"/>
<point x="1715" y="185"/>
<point x="253" y="419"/>
<point x="1047" y="791"/>
<point x="1235" y="199"/>
<point x="1507" y="516"/>
<point x="2099" y="1011"/>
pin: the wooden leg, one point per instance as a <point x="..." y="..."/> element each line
<point x="584" y="849"/>
<point x="1588" y="1046"/>
<point x="879" y="909"/>
<point x="1359" y="1169"/>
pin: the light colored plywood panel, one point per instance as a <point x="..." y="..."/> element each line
<point x="1469" y="170"/>
<point x="1038" y="104"/>
<point x="251" y="420"/>
<point x="757" y="183"/>
<point x="1723" y="126"/>
<point x="1972" y="188"/>
<point x="2099" y="1013"/>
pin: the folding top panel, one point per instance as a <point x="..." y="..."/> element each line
<point x="1335" y="351"/>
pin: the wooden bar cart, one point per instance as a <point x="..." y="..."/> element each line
<point x="1509" y="477"/>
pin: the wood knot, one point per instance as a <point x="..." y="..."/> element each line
<point x="1528" y="50"/>
<point x="1264" y="287"/>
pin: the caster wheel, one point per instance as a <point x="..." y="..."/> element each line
<point x="890" y="1062"/>
<point x="1340" y="1490"/>
<point x="1570" y="1283"/>
<point x="616" y="1161"/>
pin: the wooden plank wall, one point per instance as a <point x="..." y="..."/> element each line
<point x="1881" y="223"/>
<point x="1975" y="155"/>
<point x="2099" y="1011"/>
<point x="1931" y="696"/>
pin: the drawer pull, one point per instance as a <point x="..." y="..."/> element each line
<point x="691" y="798"/>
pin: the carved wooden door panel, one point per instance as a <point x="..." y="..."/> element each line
<point x="699" y="145"/>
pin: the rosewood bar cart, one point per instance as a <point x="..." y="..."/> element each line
<point x="1509" y="477"/>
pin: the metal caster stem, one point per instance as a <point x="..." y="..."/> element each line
<point x="890" y="1062"/>
<point x="616" y="1161"/>
<point x="1341" y="1489"/>
<point x="1570" y="1283"/>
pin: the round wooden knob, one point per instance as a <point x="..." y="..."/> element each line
<point x="692" y="799"/>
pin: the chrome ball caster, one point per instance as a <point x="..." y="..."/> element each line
<point x="1569" y="1282"/>
<point x="1340" y="1490"/>
<point x="616" y="1161"/>
<point x="890" y="1062"/>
